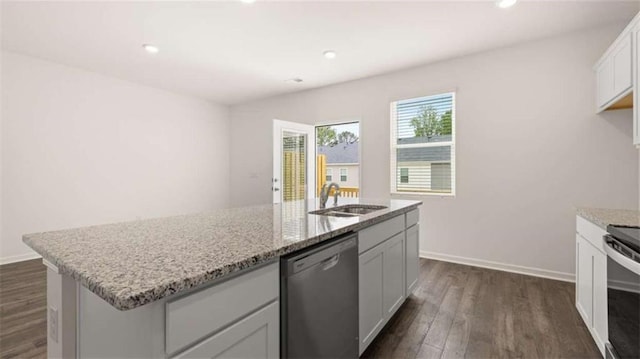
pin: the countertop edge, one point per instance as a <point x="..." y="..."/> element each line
<point x="163" y="291"/>
<point x="603" y="217"/>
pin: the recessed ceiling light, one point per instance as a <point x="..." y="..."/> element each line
<point x="150" y="48"/>
<point x="295" y="80"/>
<point x="503" y="4"/>
<point x="329" y="54"/>
<point x="248" y="1"/>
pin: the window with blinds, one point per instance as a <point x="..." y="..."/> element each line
<point x="423" y="145"/>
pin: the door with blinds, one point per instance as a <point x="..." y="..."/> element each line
<point x="293" y="161"/>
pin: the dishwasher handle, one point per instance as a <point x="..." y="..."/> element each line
<point x="331" y="262"/>
<point x="325" y="257"/>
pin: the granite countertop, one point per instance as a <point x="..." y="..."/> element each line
<point x="603" y="217"/>
<point x="134" y="263"/>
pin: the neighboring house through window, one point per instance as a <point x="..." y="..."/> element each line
<point x="423" y="145"/>
<point x="343" y="175"/>
<point x="404" y="175"/>
<point x="329" y="176"/>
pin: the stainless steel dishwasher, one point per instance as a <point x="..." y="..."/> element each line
<point x="319" y="301"/>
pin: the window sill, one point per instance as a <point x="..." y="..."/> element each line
<point x="422" y="194"/>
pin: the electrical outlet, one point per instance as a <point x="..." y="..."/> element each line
<point x="53" y="324"/>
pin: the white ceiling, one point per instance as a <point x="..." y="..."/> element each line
<point x="231" y="52"/>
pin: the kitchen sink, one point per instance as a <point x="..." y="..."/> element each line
<point x="349" y="210"/>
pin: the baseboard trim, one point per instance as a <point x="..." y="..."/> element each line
<point x="19" y="258"/>
<point x="535" y="272"/>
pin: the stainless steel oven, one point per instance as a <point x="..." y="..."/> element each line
<point x="623" y="291"/>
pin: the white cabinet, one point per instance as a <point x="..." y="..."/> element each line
<point x="412" y="258"/>
<point x="197" y="315"/>
<point x="256" y="336"/>
<point x="614" y="73"/>
<point x="388" y="271"/>
<point x="636" y="91"/>
<point x="393" y="282"/>
<point x="371" y="312"/>
<point x="381" y="286"/>
<point x="591" y="280"/>
<point x="617" y="75"/>
<point x="584" y="279"/>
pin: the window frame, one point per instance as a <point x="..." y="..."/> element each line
<point x="328" y="174"/>
<point x="346" y="174"/>
<point x="394" y="148"/>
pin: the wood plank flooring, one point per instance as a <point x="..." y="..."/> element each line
<point x="456" y="311"/>
<point x="461" y="311"/>
<point x="23" y="302"/>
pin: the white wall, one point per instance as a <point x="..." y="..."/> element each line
<point x="529" y="148"/>
<point x="79" y="148"/>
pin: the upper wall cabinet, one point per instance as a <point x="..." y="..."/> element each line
<point x="614" y="76"/>
<point x="617" y="74"/>
<point x="636" y="81"/>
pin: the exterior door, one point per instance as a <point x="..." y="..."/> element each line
<point x="293" y="161"/>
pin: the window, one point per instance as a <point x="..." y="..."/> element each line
<point x="343" y="175"/>
<point x="404" y="175"/>
<point x="423" y="143"/>
<point x="329" y="175"/>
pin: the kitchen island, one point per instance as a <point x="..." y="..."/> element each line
<point x="138" y="289"/>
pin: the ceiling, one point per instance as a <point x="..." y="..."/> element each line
<point x="231" y="52"/>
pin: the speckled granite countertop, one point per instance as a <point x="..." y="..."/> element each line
<point x="603" y="217"/>
<point x="134" y="263"/>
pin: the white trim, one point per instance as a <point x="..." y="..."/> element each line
<point x="505" y="267"/>
<point x="425" y="194"/>
<point x="429" y="144"/>
<point x="51" y="266"/>
<point x="19" y="258"/>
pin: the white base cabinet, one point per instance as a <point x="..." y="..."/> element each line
<point x="388" y="272"/>
<point x="412" y="257"/>
<point x="256" y="336"/>
<point x="591" y="280"/>
<point x="237" y="317"/>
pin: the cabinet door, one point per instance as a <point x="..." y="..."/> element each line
<point x="622" y="69"/>
<point x="371" y="296"/>
<point x="256" y="336"/>
<point x="394" y="274"/>
<point x="600" y="329"/>
<point x="584" y="280"/>
<point x="412" y="255"/>
<point x="636" y="90"/>
<point x="604" y="76"/>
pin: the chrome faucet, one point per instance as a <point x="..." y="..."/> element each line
<point x="324" y="194"/>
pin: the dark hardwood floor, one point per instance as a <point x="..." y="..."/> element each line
<point x="461" y="311"/>
<point x="456" y="311"/>
<point x="23" y="302"/>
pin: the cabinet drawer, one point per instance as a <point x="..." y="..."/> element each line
<point x="199" y="314"/>
<point x="592" y="233"/>
<point x="378" y="233"/>
<point x="412" y="217"/>
<point x="256" y="336"/>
